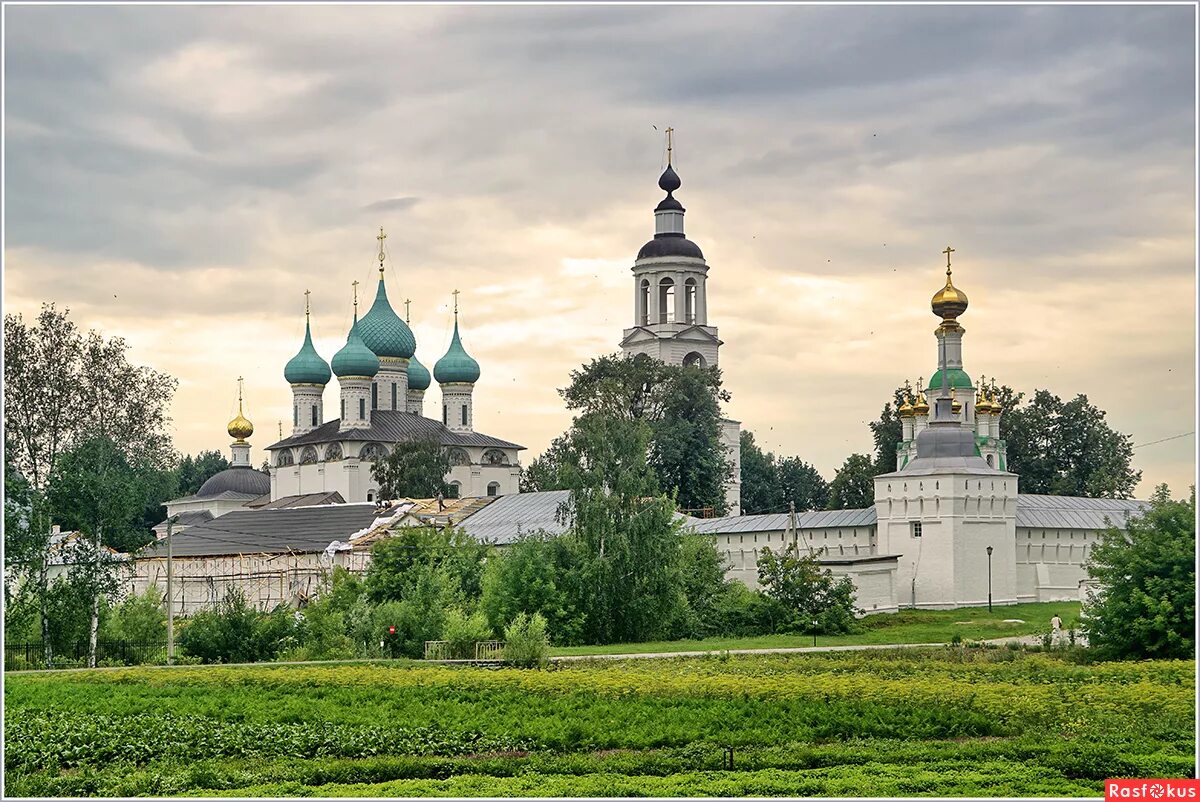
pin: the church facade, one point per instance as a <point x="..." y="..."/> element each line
<point x="381" y="402"/>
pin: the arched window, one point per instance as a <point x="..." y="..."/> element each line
<point x="370" y="496"/>
<point x="374" y="395"/>
<point x="459" y="456"/>
<point x="372" y="452"/>
<point x="494" y="456"/>
<point x="689" y="296"/>
<point x="643" y="310"/>
<point x="666" y="301"/>
<point x="284" y="458"/>
<point x="693" y="360"/>
<point x="333" y="453"/>
<point x="455" y="490"/>
<point x="493" y="488"/>
<point x="315" y="422"/>
<point x="990" y="462"/>
<point x="309" y="455"/>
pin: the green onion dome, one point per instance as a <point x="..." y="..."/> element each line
<point x="457" y="365"/>
<point x="355" y="358"/>
<point x="418" y="375"/>
<point x="383" y="331"/>
<point x="957" y="378"/>
<point x="307" y="367"/>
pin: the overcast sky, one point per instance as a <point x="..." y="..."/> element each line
<point x="179" y="176"/>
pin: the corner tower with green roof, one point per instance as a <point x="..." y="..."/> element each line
<point x="456" y="373"/>
<point x="308" y="374"/>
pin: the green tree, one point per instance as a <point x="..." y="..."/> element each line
<point x="853" y="486"/>
<point x="415" y="469"/>
<point x="802" y="485"/>
<point x="97" y="492"/>
<point x="543" y="472"/>
<point x="424" y="557"/>
<point x="536" y="574"/>
<point x="702" y="577"/>
<point x="817" y="601"/>
<point x="887" y="432"/>
<point x="139" y="618"/>
<point x="234" y="632"/>
<point x="62" y="387"/>
<point x="625" y="536"/>
<point x="1068" y="449"/>
<point x="21" y="539"/>
<point x="1145" y="604"/>
<point x="761" y="490"/>
<point x="680" y="407"/>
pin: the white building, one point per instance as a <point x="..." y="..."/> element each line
<point x="670" y="311"/>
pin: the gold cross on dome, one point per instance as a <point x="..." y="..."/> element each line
<point x="407" y="309"/>
<point x="239" y="395"/>
<point x="948" y="251"/>
<point x="455" y="294"/>
<point x="381" y="238"/>
<point x="354" y="284"/>
<point x="306" y="294"/>
<point x="670" y="131"/>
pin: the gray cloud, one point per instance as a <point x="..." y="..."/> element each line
<point x="207" y="164"/>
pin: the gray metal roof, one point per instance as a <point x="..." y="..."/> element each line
<point x="777" y="522"/>
<point x="299" y="529"/>
<point x="303" y="500"/>
<point x="239" y="479"/>
<point x="1075" y="512"/>
<point x="508" y="517"/>
<point x="394" y="426"/>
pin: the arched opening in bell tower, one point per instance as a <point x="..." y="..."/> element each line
<point x="666" y="301"/>
<point x="643" y="304"/>
<point x="689" y="291"/>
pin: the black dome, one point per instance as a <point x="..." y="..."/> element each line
<point x="670" y="245"/>
<point x="239" y="480"/>
<point x="669" y="180"/>
<point x="669" y="203"/>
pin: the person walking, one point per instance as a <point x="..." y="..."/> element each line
<point x="441" y="500"/>
<point x="1056" y="631"/>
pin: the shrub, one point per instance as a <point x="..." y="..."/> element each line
<point x="526" y="642"/>
<point x="138" y="619"/>
<point x="234" y="632"/>
<point x="534" y="575"/>
<point x="817" y="600"/>
<point x="463" y="632"/>
<point x="741" y="612"/>
<point x="415" y="623"/>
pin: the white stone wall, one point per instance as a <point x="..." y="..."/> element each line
<point x="960" y="516"/>
<point x="731" y="431"/>
<point x="457" y="396"/>
<point x="306" y="398"/>
<point x="741" y="550"/>
<point x="355" y="389"/>
<point x="416" y="402"/>
<point x="352" y="477"/>
<point x="1051" y="563"/>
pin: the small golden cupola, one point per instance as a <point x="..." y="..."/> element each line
<point x="240" y="427"/>
<point x="906" y="407"/>
<point x="993" y="404"/>
<point x="949" y="302"/>
<point x="982" y="407"/>
<point x="921" y="407"/>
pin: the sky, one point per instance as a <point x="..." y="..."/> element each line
<point x="179" y="176"/>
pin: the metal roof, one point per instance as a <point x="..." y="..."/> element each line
<point x="508" y="517"/>
<point x="299" y="529"/>
<point x="1075" y="512"/>
<point x="303" y="500"/>
<point x="394" y="426"/>
<point x="777" y="522"/>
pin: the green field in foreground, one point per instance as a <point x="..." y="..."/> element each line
<point x="958" y="722"/>
<point x="907" y="626"/>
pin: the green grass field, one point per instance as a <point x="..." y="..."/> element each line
<point x="907" y="626"/>
<point x="958" y="722"/>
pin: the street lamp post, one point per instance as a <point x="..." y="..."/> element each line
<point x="989" y="553"/>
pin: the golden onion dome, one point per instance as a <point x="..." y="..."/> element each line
<point x="240" y="427"/>
<point x="921" y="407"/>
<point x="955" y="405"/>
<point x="906" y="408"/>
<point x="994" y="405"/>
<point x="949" y="302"/>
<point x="982" y="407"/>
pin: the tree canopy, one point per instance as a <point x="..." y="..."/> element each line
<point x="853" y="487"/>
<point x="680" y="407"/>
<point x="1145" y="604"/>
<point x="415" y="469"/>
<point x="770" y="484"/>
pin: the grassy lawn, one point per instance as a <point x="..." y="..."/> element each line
<point x="945" y="721"/>
<point x="907" y="626"/>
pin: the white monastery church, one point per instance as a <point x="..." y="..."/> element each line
<point x="948" y="527"/>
